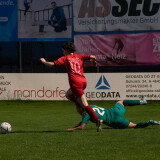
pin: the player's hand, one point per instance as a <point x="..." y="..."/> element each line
<point x="94" y="63"/>
<point x="70" y="129"/>
<point x="93" y="58"/>
<point x="42" y="60"/>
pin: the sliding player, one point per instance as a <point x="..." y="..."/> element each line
<point x="114" y="117"/>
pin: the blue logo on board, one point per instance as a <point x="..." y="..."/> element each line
<point x="102" y="83"/>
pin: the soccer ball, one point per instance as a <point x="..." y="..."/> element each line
<point x="5" y="127"/>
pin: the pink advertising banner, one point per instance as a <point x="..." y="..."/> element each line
<point x="121" y="49"/>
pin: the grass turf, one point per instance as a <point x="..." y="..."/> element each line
<point x="38" y="133"/>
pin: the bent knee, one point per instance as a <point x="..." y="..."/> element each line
<point x="132" y="125"/>
<point x="121" y="102"/>
<point x="69" y="94"/>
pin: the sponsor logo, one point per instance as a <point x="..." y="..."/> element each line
<point x="120" y="8"/>
<point x="102" y="95"/>
<point x="102" y="83"/>
<point x="2" y="84"/>
<point x="117" y="12"/>
<point x="156" y="44"/>
<point x="41" y="93"/>
<point x="6" y="3"/>
<point x="2" y="89"/>
<point x="3" y="19"/>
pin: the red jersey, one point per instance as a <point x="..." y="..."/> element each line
<point x="73" y="65"/>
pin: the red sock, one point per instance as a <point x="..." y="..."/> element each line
<point x="92" y="114"/>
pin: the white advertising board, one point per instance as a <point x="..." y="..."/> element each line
<point x="120" y="86"/>
<point x="33" y="86"/>
<point x="106" y="86"/>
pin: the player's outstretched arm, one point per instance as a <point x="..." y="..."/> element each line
<point x="93" y="58"/>
<point x="49" y="64"/>
<point x="80" y="126"/>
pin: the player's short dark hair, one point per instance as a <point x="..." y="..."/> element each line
<point x="69" y="46"/>
<point x="53" y="2"/>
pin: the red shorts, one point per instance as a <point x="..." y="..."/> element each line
<point x="77" y="87"/>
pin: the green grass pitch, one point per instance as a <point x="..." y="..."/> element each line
<point x="38" y="133"/>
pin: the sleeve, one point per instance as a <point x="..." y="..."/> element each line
<point x="61" y="11"/>
<point x="85" y="57"/>
<point x="60" y="61"/>
<point x="52" y="16"/>
<point x="85" y="119"/>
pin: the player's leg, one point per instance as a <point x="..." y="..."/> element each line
<point x="139" y="125"/>
<point x="152" y="122"/>
<point x="121" y="112"/>
<point x="118" y="113"/>
<point x="143" y="124"/>
<point x="121" y="102"/>
<point x="76" y="93"/>
<point x="78" y="90"/>
<point x="83" y="102"/>
<point x="80" y="110"/>
<point x="132" y="125"/>
<point x="142" y="101"/>
<point x="70" y="96"/>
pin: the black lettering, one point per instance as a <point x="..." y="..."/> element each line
<point x="109" y="95"/>
<point x="132" y="9"/>
<point x="98" y="94"/>
<point x="116" y="12"/>
<point x="87" y="7"/>
<point x="103" y="94"/>
<point x="93" y="94"/>
<point x="103" y="10"/>
<point x="117" y="94"/>
<point x="88" y="95"/>
<point x="146" y="8"/>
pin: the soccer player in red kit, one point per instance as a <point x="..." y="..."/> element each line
<point x="73" y="64"/>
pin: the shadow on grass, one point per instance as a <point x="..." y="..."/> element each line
<point x="58" y="131"/>
<point x="129" y="128"/>
<point x="39" y="131"/>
